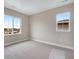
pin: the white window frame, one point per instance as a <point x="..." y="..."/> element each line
<point x="13" y="25"/>
<point x="58" y="30"/>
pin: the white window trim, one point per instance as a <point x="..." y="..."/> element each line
<point x="57" y="30"/>
<point x="13" y="26"/>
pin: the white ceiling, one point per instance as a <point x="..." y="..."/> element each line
<point x="30" y="7"/>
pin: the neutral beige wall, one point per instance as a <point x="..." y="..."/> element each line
<point x="43" y="26"/>
<point x="25" y="27"/>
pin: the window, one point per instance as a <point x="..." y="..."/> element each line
<point x="63" y="21"/>
<point x="12" y="25"/>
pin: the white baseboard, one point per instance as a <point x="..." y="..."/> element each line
<point x="54" y="44"/>
<point x="11" y="43"/>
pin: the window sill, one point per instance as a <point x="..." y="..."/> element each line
<point x="11" y="34"/>
<point x="63" y="31"/>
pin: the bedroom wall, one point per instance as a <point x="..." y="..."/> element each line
<point x="25" y="27"/>
<point x="43" y="26"/>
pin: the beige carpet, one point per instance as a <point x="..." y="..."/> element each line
<point x="33" y="50"/>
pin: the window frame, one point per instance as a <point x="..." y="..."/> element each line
<point x="13" y="25"/>
<point x="69" y="29"/>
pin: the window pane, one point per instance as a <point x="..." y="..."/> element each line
<point x="65" y="26"/>
<point x="16" y="25"/>
<point x="6" y="21"/>
<point x="63" y="16"/>
<point x="59" y="26"/>
<point x="16" y="22"/>
<point x="8" y="24"/>
<point x="62" y="20"/>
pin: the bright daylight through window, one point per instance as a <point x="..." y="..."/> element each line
<point x="12" y="25"/>
<point x="63" y="22"/>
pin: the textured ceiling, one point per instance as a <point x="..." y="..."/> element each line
<point x="31" y="7"/>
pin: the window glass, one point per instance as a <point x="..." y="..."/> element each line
<point x="16" y="22"/>
<point x="16" y="25"/>
<point x="12" y="24"/>
<point x="6" y="21"/>
<point x="63" y="21"/>
<point x="63" y="16"/>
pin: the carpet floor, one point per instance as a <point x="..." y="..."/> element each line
<point x="33" y="50"/>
